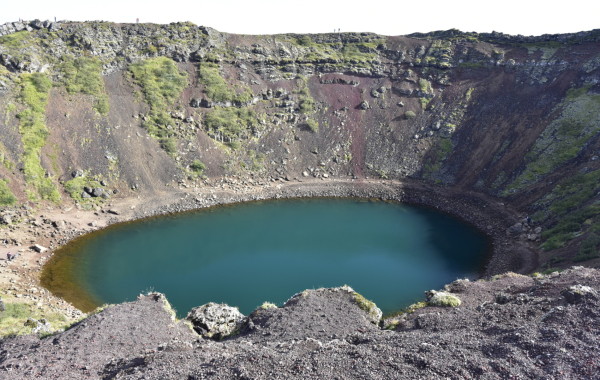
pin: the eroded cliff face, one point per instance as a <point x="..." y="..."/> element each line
<point x="98" y="110"/>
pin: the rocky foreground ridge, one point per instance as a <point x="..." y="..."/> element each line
<point x="512" y="326"/>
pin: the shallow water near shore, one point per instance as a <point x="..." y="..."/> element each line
<point x="247" y="253"/>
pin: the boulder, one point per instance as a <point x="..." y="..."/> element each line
<point x="444" y="299"/>
<point x="6" y="219"/>
<point x="195" y="103"/>
<point x="36" y="24"/>
<point x="59" y="224"/>
<point x="579" y="293"/>
<point x="39" y="326"/>
<point x="39" y="248"/>
<point x="364" y="105"/>
<point x="515" y="229"/>
<point x="216" y="321"/>
<point x="97" y="192"/>
<point x="77" y="173"/>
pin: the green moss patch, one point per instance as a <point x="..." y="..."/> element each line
<point x="15" y="40"/>
<point x="84" y="75"/>
<point x="32" y="126"/>
<point x="570" y="209"/>
<point x="7" y="198"/>
<point x="13" y="318"/>
<point x="74" y="188"/>
<point x="439" y="152"/>
<point x="161" y="83"/>
<point x="216" y="87"/>
<point x="307" y="106"/>
<point x="563" y="139"/>
<point x="229" y="125"/>
<point x="444" y="299"/>
<point x="571" y="226"/>
<point x="589" y="248"/>
<point x="354" y="52"/>
<point x="369" y="306"/>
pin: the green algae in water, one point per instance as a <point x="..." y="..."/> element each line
<point x="247" y="253"/>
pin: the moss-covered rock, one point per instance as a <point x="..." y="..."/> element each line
<point x="443" y="299"/>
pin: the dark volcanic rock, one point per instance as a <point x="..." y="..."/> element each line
<point x="86" y="348"/>
<point x="536" y="331"/>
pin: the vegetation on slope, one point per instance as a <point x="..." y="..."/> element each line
<point x="437" y="155"/>
<point x="572" y="209"/>
<point x="306" y="106"/>
<point x="563" y="140"/>
<point x="161" y="83"/>
<point x="217" y="89"/>
<point x="84" y="75"/>
<point x="230" y="124"/>
<point x="75" y="188"/>
<point x="32" y="126"/>
<point x="7" y="198"/>
<point x="354" y="52"/>
<point x="13" y="320"/>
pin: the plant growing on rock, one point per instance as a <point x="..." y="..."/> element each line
<point x="313" y="125"/>
<point x="369" y="306"/>
<point x="76" y="188"/>
<point x="443" y="299"/>
<point x="267" y="305"/>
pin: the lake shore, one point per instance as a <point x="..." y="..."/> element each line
<point x="52" y="226"/>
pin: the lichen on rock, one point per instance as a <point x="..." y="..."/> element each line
<point x="216" y="321"/>
<point x="444" y="299"/>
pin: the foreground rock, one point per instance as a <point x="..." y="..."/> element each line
<point x="514" y="326"/>
<point x="215" y="320"/>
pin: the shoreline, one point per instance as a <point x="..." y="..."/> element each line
<point x="54" y="227"/>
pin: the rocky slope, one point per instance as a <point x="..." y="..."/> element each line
<point x="513" y="326"/>
<point x="92" y="109"/>
<point x="119" y="121"/>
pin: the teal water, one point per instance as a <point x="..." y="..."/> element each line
<point x="248" y="253"/>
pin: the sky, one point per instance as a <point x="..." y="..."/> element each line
<point x="395" y="17"/>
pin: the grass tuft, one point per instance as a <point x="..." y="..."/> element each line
<point x="13" y="318"/>
<point x="7" y="198"/>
